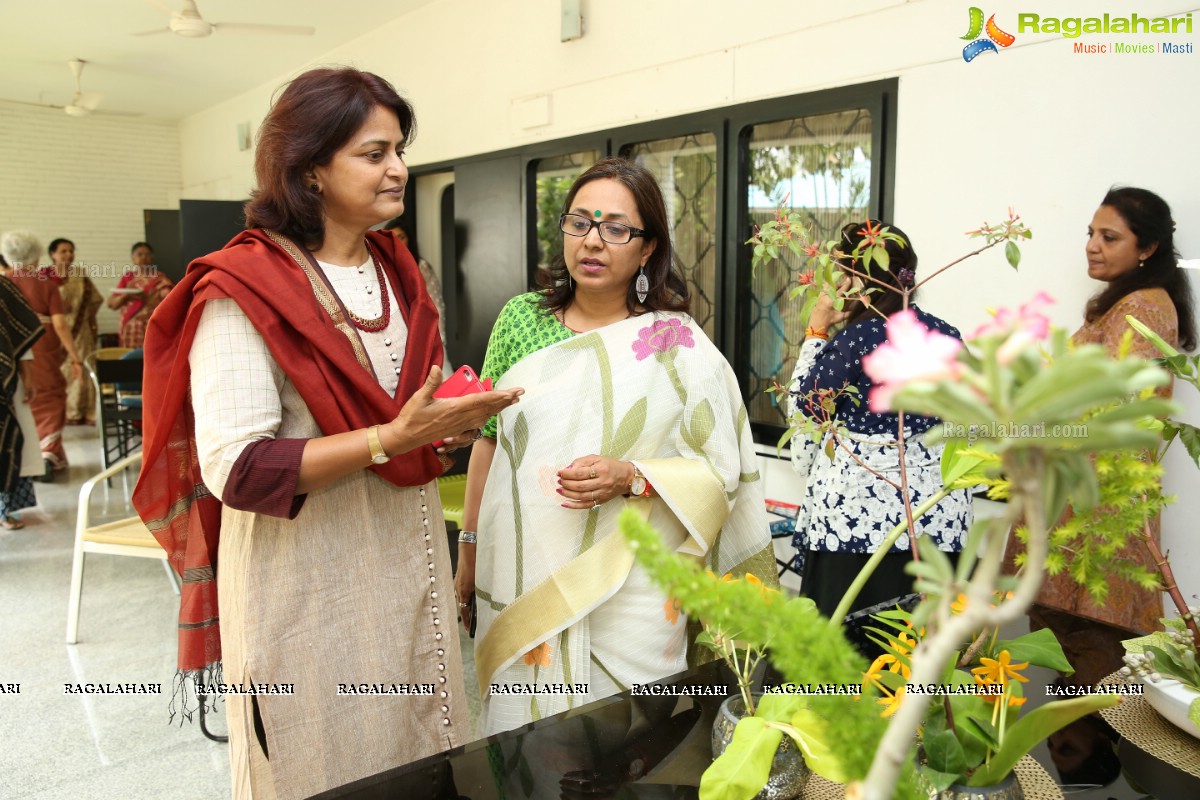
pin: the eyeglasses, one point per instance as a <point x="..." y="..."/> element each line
<point x="611" y="232"/>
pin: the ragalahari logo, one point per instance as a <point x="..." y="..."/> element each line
<point x="986" y="44"/>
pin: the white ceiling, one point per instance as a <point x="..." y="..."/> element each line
<point x="165" y="75"/>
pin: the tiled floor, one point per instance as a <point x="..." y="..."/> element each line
<point x="83" y="747"/>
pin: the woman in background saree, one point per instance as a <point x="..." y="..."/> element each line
<point x="81" y="300"/>
<point x="627" y="404"/>
<point x="137" y="294"/>
<point x="47" y="385"/>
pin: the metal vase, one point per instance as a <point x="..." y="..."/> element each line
<point x="1007" y="789"/>
<point x="789" y="773"/>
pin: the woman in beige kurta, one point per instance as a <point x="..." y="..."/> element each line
<point x="289" y="468"/>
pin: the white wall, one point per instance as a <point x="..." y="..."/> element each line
<point x="1036" y="126"/>
<point x="87" y="180"/>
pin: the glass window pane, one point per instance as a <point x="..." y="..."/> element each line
<point x="553" y="180"/>
<point x="819" y="165"/>
<point x="686" y="168"/>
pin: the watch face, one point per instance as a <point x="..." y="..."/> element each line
<point x="638" y="487"/>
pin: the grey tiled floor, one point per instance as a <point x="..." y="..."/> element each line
<point x="56" y="746"/>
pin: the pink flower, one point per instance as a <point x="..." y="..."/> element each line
<point x="662" y="337"/>
<point x="1023" y="327"/>
<point x="911" y="353"/>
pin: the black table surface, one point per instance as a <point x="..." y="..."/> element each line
<point x="622" y="746"/>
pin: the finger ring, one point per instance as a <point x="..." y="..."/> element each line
<point x="464" y="605"/>
<point x="594" y="503"/>
<point x="478" y="435"/>
<point x="593" y="473"/>
<point x="593" y="495"/>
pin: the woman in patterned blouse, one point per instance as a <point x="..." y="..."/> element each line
<point x="851" y="500"/>
<point x="1131" y="247"/>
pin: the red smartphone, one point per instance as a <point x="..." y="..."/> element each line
<point x="463" y="382"/>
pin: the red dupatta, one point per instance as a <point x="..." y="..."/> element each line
<point x="317" y="350"/>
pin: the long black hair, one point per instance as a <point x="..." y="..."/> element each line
<point x="668" y="290"/>
<point x="1149" y="217"/>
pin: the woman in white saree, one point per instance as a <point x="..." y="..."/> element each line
<point x="627" y="403"/>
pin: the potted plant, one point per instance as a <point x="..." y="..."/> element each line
<point x="722" y="635"/>
<point x="1016" y="373"/>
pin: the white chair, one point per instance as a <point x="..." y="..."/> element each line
<point x="125" y="537"/>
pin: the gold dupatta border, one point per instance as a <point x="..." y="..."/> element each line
<point x="556" y="602"/>
<point x="325" y="297"/>
<point x="693" y="493"/>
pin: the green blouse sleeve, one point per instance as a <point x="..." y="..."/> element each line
<point x="523" y="327"/>
<point x="500" y="349"/>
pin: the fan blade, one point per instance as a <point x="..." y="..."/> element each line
<point x="89" y="100"/>
<point x="151" y="33"/>
<point x="291" y="30"/>
<point x="170" y="12"/>
<point x="29" y="103"/>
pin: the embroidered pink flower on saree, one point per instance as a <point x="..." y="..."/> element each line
<point x="662" y="337"/>
<point x="911" y="353"/>
<point x="539" y="656"/>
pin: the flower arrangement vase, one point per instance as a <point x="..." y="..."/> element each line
<point x="789" y="773"/>
<point x="1007" y="789"/>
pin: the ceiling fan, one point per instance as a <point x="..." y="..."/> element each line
<point x="82" y="103"/>
<point x="189" y="23"/>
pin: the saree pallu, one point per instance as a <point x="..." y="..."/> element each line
<point x="81" y="301"/>
<point x="561" y="603"/>
<point x="49" y="403"/>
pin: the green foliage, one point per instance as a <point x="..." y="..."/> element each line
<point x="1091" y="543"/>
<point x="551" y="197"/>
<point x="1031" y="728"/>
<point x="804" y="647"/>
<point x="970" y="738"/>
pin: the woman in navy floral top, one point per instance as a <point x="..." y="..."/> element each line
<point x="848" y="509"/>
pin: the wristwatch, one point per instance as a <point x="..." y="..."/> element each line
<point x="638" y="487"/>
<point x="378" y="454"/>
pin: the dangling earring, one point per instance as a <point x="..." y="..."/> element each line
<point x="570" y="283"/>
<point x="642" y="286"/>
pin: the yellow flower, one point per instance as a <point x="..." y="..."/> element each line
<point x="875" y="671"/>
<point x="959" y="604"/>
<point x="1000" y="669"/>
<point x="1013" y="700"/>
<point x="895" y="664"/>
<point x="891" y="701"/>
<point x="904" y="644"/>
<point x="539" y="655"/>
